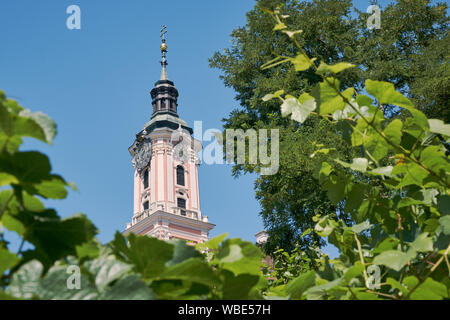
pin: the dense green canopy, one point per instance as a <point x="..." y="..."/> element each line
<point x="409" y="50"/>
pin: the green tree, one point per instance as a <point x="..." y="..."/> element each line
<point x="396" y="191"/>
<point x="332" y="34"/>
<point x="410" y="51"/>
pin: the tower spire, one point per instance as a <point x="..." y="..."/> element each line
<point x="163" y="48"/>
<point x="164" y="94"/>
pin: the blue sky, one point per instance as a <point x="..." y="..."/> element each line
<point x="95" y="84"/>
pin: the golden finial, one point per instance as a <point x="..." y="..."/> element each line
<point x="163" y="53"/>
<point x="163" y="44"/>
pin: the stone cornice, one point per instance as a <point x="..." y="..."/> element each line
<point x="155" y="216"/>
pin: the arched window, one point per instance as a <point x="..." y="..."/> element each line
<point x="180" y="175"/>
<point x="146" y="179"/>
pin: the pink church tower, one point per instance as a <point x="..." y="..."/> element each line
<point x="165" y="161"/>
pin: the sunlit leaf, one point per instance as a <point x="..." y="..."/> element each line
<point x="336" y="68"/>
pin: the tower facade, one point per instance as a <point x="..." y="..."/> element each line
<point x="165" y="161"/>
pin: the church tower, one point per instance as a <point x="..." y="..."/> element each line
<point x="165" y="161"/>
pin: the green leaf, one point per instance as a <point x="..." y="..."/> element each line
<point x="27" y="167"/>
<point x="5" y="296"/>
<point x="239" y="257"/>
<point x="336" y="68"/>
<point x="301" y="62"/>
<point x="336" y="186"/>
<point x="412" y="174"/>
<point x="327" y="94"/>
<point x="396" y="285"/>
<point x="299" y="111"/>
<point x="319" y="291"/>
<point x="55" y="238"/>
<point x="175" y="289"/>
<point x="7" y="260"/>
<point x="325" y="171"/>
<point x="54" y="286"/>
<point x="238" y="287"/>
<point x="354" y="271"/>
<point x="148" y="255"/>
<point x="438" y="126"/>
<point x="384" y="171"/>
<point x="430" y="290"/>
<point x="363" y="100"/>
<point x="444" y="222"/>
<point x="7" y="179"/>
<point x="53" y="188"/>
<point x="130" y="287"/>
<point x="182" y="251"/>
<point x="298" y="286"/>
<point x="292" y="33"/>
<point x="386" y="244"/>
<point x="16" y="126"/>
<point x="386" y="94"/>
<point x="355" y="197"/>
<point x="358" y="164"/>
<point x="374" y="143"/>
<point x="279" y="26"/>
<point x="443" y="202"/>
<point x="289" y="105"/>
<point x="193" y="269"/>
<point x="358" y="228"/>
<point x="89" y="249"/>
<point x="325" y="226"/>
<point x="25" y="281"/>
<point x="410" y="282"/>
<point x="270" y="96"/>
<point x="434" y="159"/>
<point x="12" y="224"/>
<point x="422" y="243"/>
<point x="306" y="232"/>
<point x="393" y="259"/>
<point x="212" y="244"/>
<point x="106" y="270"/>
<point x="394" y="131"/>
<point x="47" y="125"/>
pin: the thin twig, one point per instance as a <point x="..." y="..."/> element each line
<point x="361" y="258"/>
<point x="2" y="211"/>
<point x="383" y="294"/>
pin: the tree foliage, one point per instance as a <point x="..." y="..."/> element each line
<point x="410" y="50"/>
<point x="396" y="191"/>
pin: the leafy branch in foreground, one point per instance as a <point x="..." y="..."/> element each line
<point x="396" y="191"/>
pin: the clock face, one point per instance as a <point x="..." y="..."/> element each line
<point x="142" y="155"/>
